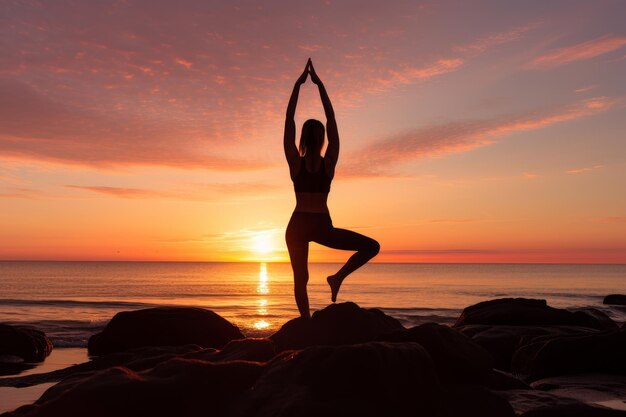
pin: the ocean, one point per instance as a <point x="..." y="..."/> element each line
<point x="70" y="301"/>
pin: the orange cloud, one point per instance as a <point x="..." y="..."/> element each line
<point x="613" y="219"/>
<point x="578" y="52"/>
<point x="194" y="192"/>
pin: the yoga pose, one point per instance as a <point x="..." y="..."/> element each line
<point x="312" y="174"/>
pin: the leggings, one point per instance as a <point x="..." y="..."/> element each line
<point x="305" y="227"/>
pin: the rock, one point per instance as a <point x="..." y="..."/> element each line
<point x="371" y="379"/>
<point x="163" y="326"/>
<point x="588" y="388"/>
<point x="560" y="355"/>
<point x="502" y="341"/>
<point x="594" y="318"/>
<point x="615" y="299"/>
<point x="178" y="387"/>
<point x="475" y="400"/>
<point x="458" y="359"/>
<point x="250" y="349"/>
<point x="20" y="345"/>
<point x="526" y="311"/>
<point x="535" y="403"/>
<point x="575" y="410"/>
<point x="143" y="358"/>
<point x="337" y="324"/>
<point x="501" y="381"/>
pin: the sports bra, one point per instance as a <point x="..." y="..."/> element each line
<point x="312" y="182"/>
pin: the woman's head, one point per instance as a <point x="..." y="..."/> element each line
<point x="312" y="138"/>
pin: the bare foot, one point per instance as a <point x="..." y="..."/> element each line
<point x="335" y="284"/>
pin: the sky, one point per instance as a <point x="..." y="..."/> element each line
<point x="484" y="131"/>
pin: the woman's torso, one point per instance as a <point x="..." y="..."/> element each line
<point x="312" y="185"/>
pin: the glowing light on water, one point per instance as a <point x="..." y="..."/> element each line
<point x="262" y="303"/>
<point x="263" y="288"/>
<point x="261" y="325"/>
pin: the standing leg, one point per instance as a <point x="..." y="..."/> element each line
<point x="366" y="248"/>
<point x="299" y="255"/>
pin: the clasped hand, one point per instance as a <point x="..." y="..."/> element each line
<point x="309" y="70"/>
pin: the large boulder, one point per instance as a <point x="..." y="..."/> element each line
<point x="370" y="379"/>
<point x="530" y="312"/>
<point x="593" y="353"/>
<point x="474" y="400"/>
<point x="20" y="345"/>
<point x="163" y="326"/>
<point x="501" y="341"/>
<point x="337" y="324"/>
<point x="457" y="357"/>
<point x="615" y="299"/>
<point x="178" y="387"/>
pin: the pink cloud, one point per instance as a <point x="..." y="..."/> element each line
<point x="584" y="169"/>
<point x="585" y="88"/>
<point x="578" y="52"/>
<point x="482" y="44"/>
<point x="157" y="83"/>
<point x="459" y="136"/>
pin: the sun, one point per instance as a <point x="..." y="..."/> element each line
<point x="262" y="244"/>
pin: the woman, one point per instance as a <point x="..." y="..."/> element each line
<point x="312" y="174"/>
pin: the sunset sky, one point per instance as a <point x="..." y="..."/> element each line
<point x="483" y="131"/>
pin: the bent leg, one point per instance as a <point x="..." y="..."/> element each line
<point x="343" y="239"/>
<point x="299" y="255"/>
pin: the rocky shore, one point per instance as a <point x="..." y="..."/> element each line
<point x="503" y="357"/>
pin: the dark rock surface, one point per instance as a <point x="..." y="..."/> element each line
<point x="474" y="400"/>
<point x="140" y="359"/>
<point x="561" y="355"/>
<point x="457" y="357"/>
<point x="337" y="324"/>
<point x="20" y="345"/>
<point x="529" y="312"/>
<point x="370" y="379"/>
<point x="250" y="349"/>
<point x="177" y="387"/>
<point x="615" y="299"/>
<point x="502" y="341"/>
<point x="163" y="326"/>
<point x="535" y="403"/>
<point x="501" y="381"/>
<point x="589" y="388"/>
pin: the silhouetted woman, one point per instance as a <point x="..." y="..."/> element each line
<point x="312" y="174"/>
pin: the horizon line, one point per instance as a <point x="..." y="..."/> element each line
<point x="311" y="262"/>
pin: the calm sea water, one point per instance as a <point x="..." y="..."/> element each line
<point x="72" y="300"/>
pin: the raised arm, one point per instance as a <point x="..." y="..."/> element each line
<point x="332" y="152"/>
<point x="291" y="151"/>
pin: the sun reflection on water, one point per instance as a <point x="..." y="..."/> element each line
<point x="261" y="325"/>
<point x="262" y="289"/>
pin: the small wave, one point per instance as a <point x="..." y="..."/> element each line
<point x="417" y="309"/>
<point x="72" y="303"/>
